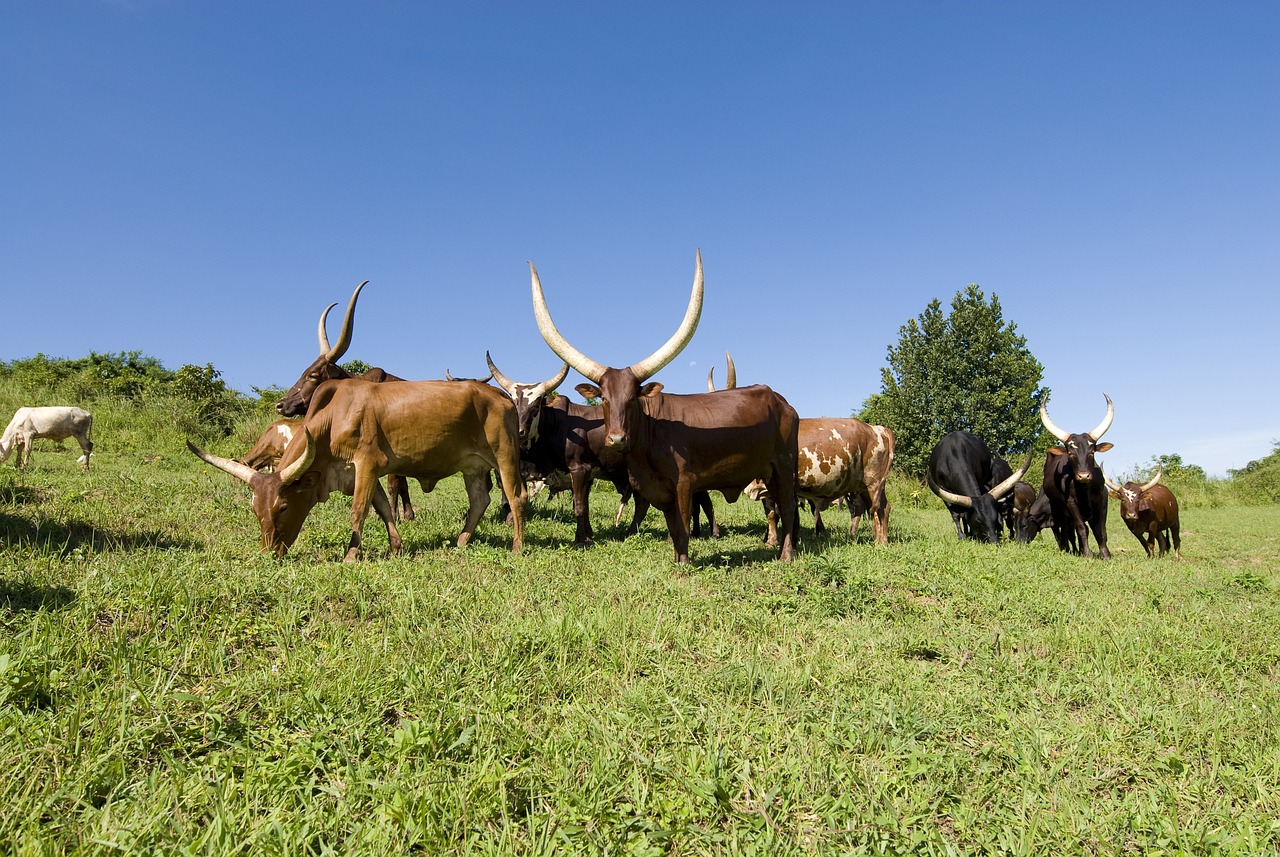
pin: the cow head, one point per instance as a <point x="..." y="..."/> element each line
<point x="983" y="512"/>
<point x="1079" y="448"/>
<point x="620" y="391"/>
<point x="281" y="500"/>
<point x="1134" y="499"/>
<point x="528" y="399"/>
<point x="325" y="367"/>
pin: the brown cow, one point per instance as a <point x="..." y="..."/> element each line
<point x="675" y="445"/>
<point x="326" y="368"/>
<point x="356" y="431"/>
<point x="841" y="458"/>
<point x="271" y="445"/>
<point x="1150" y="510"/>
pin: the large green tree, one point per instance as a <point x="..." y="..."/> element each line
<point x="965" y="370"/>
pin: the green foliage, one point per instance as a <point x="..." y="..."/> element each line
<point x="1259" y="480"/>
<point x="355" y="367"/>
<point x="126" y="375"/>
<point x="968" y="370"/>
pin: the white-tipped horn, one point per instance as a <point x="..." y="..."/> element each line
<point x="344" y="336"/>
<point x="731" y="374"/>
<point x="238" y="469"/>
<point x="947" y="496"/>
<point x="1007" y="485"/>
<point x="1155" y="480"/>
<point x="648" y="367"/>
<point x="1111" y="486"/>
<point x="299" y="466"/>
<point x="321" y="333"/>
<point x="711" y="380"/>
<point x="575" y="358"/>
<point x="503" y="381"/>
<point x="1097" y="433"/>
<point x="1049" y="424"/>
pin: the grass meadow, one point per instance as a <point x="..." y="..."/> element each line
<point x="165" y="688"/>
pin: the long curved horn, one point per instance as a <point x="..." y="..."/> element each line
<point x="711" y="381"/>
<point x="731" y="376"/>
<point x="1111" y="486"/>
<point x="239" y="470"/>
<point x="575" y="358"/>
<point x="1004" y="487"/>
<point x="448" y="377"/>
<point x="344" y="337"/>
<point x="1049" y="424"/>
<point x="296" y="468"/>
<point x="554" y="381"/>
<point x="503" y="381"/>
<point x="648" y="367"/>
<point x="1155" y="480"/>
<point x="1097" y="433"/>
<point x="947" y="496"/>
<point x="321" y="333"/>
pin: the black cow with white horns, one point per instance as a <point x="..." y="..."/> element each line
<point x="961" y="472"/>
<point x="1075" y="486"/>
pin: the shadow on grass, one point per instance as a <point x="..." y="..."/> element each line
<point x="22" y="495"/>
<point x="62" y="538"/>
<point x="15" y="596"/>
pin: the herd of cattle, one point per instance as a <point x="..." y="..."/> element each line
<point x="343" y="434"/>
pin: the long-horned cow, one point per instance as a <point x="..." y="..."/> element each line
<point x="357" y="431"/>
<point x="1150" y="511"/>
<point x="1075" y="486"/>
<point x="53" y="422"/>
<point x="326" y="368"/>
<point x="961" y="471"/>
<point x="675" y="445"/>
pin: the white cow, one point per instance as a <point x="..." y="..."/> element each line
<point x="28" y="424"/>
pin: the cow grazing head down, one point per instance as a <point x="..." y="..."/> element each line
<point x="1080" y="448"/>
<point x="619" y="390"/>
<point x="979" y="513"/>
<point x="325" y="367"/>
<point x="528" y="398"/>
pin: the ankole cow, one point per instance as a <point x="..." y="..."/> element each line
<point x="356" y="431"/>
<point x="675" y="445"/>
<point x="54" y="423"/>
<point x="961" y="471"/>
<point x="1075" y="485"/>
<point x="1150" y="511"/>
<point x="326" y="368"/>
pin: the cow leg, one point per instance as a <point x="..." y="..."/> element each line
<point x="86" y="446"/>
<point x="771" y="515"/>
<point x="478" y="500"/>
<point x="580" y="484"/>
<point x="514" y="492"/>
<point x="383" y="506"/>
<point x="788" y="515"/>
<point x="961" y="529"/>
<point x="642" y="509"/>
<point x="361" y="498"/>
<point x="1177" y="540"/>
<point x="1100" y="533"/>
<point x="677" y="515"/>
<point x="819" y="528"/>
<point x="702" y="502"/>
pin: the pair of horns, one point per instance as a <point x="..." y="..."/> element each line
<point x="643" y="370"/>
<point x="1146" y="486"/>
<point x="332" y="353"/>
<point x="996" y="492"/>
<point x="1095" y="435"/>
<point x="731" y="375"/>
<point x="537" y="391"/>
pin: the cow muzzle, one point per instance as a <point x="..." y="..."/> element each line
<point x="618" y="442"/>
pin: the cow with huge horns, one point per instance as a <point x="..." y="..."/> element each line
<point x="1074" y="483"/>
<point x="961" y="472"/>
<point x="675" y="445"/>
<point x="1150" y="511"/>
<point x="558" y="436"/>
<point x="326" y="368"/>
<point x="357" y="431"/>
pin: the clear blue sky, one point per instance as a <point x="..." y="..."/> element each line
<point x="198" y="180"/>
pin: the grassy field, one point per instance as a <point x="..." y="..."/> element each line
<point x="165" y="688"/>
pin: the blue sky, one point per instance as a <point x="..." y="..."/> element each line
<point x="199" y="180"/>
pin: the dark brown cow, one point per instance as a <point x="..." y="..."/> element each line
<point x="675" y="445"/>
<point x="846" y="458"/>
<point x="1075" y="485"/>
<point x="1022" y="497"/>
<point x="326" y="368"/>
<point x="356" y="431"/>
<point x="1150" y="511"/>
<point x="271" y="444"/>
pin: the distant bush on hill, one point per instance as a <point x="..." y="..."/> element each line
<point x="1259" y="480"/>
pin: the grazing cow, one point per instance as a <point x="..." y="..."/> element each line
<point x="840" y="458"/>
<point x="356" y="431"/>
<point x="961" y="472"/>
<point x="271" y="445"/>
<point x="558" y="436"/>
<point x="326" y="368"/>
<point x="1023" y="497"/>
<point x="675" y="445"/>
<point x="1075" y="485"/>
<point x="1151" y="512"/>
<point x="54" y="423"/>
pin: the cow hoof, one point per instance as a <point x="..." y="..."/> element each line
<point x="353" y="555"/>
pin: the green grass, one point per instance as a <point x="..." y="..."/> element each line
<point x="165" y="688"/>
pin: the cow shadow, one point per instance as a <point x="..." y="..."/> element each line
<point x="16" y="596"/>
<point x="64" y="538"/>
<point x="22" y="495"/>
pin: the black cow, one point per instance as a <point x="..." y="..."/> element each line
<point x="961" y="472"/>
<point x="1075" y="486"/>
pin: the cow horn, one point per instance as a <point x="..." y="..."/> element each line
<point x="1097" y="433"/>
<point x="1111" y="486"/>
<point x="1049" y="424"/>
<point x="331" y="354"/>
<point x="503" y="381"/>
<point x="566" y="352"/>
<point x="1155" y="480"/>
<point x="947" y="496"/>
<point x="711" y="380"/>
<point x="321" y="333"/>
<point x="299" y="466"/>
<point x="731" y="375"/>
<point x="648" y="367"/>
<point x="1004" y="487"/>
<point x="238" y="469"/>
<point x="448" y="377"/>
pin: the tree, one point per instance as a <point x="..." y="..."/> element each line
<point x="968" y="370"/>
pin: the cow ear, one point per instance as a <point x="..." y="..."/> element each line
<point x="1057" y="450"/>
<point x="589" y="392"/>
<point x="651" y="390"/>
<point x="1102" y="447"/>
